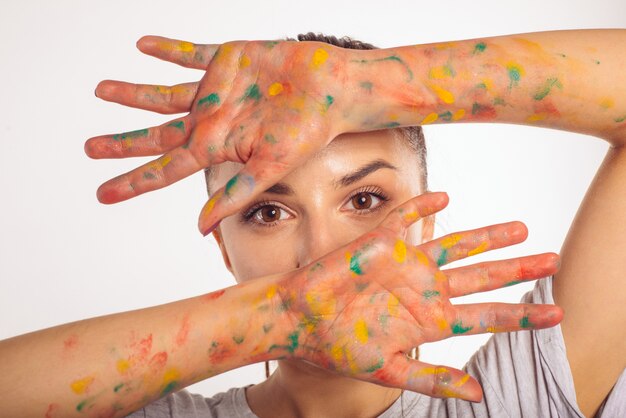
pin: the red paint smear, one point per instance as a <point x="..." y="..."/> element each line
<point x="218" y="354"/>
<point x="214" y="295"/>
<point x="71" y="342"/>
<point x="159" y="360"/>
<point x="183" y="332"/>
<point x="384" y="376"/>
<point x="484" y="112"/>
<point x="52" y="409"/>
<point x="547" y="107"/>
<point x="143" y="348"/>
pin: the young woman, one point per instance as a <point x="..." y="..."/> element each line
<point x="359" y="308"/>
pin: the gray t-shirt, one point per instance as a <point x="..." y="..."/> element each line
<point x="523" y="374"/>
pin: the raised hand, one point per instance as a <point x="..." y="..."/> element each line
<point x="359" y="309"/>
<point x="270" y="105"/>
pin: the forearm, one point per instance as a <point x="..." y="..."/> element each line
<point x="566" y="80"/>
<point x="112" y="365"/>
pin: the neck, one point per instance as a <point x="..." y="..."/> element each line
<point x="303" y="390"/>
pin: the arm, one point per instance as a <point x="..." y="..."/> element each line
<point x="355" y="311"/>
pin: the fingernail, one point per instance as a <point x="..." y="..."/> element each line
<point x="210" y="229"/>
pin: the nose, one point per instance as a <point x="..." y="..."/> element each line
<point x="322" y="235"/>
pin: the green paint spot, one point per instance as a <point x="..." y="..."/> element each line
<point x="619" y="120"/>
<point x="442" y="257"/>
<point x="211" y="99"/>
<point x="238" y="339"/>
<point x="481" y="86"/>
<point x="212" y="148"/>
<point x="447" y="116"/>
<point x="525" y="323"/>
<point x="271" y="44"/>
<point x="130" y="135"/>
<point x="329" y="101"/>
<point x="231" y="183"/>
<point x="499" y="101"/>
<point x="479" y="48"/>
<point x="179" y="124"/>
<point x="367" y="85"/>
<point x="267" y="327"/>
<point x="547" y="87"/>
<point x="148" y="176"/>
<point x="270" y="138"/>
<point x="118" y="387"/>
<point x="285" y="305"/>
<point x="597" y="62"/>
<point x="198" y="57"/>
<point x="252" y="92"/>
<point x="389" y="125"/>
<point x="263" y="308"/>
<point x="389" y="58"/>
<point x="373" y="368"/>
<point x="514" y="76"/>
<point x="293" y="341"/>
<point x="477" y="108"/>
<point x="561" y="55"/>
<point x="169" y="387"/>
<point x="361" y="286"/>
<point x="355" y="264"/>
<point x="81" y="405"/>
<point x="458" y="328"/>
<point x="383" y="320"/>
<point x="449" y="71"/>
<point x="317" y="266"/>
<point x="513" y="283"/>
<point x="430" y="293"/>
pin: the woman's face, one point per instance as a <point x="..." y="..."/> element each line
<point x="335" y="197"/>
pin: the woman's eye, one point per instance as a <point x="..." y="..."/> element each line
<point x="365" y="201"/>
<point x="269" y="214"/>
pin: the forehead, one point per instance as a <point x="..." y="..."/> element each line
<point x="346" y="153"/>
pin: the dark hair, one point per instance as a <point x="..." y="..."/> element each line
<point x="413" y="134"/>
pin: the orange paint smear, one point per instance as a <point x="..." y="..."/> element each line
<point x="52" y="410"/>
<point x="213" y="295"/>
<point x="183" y="332"/>
<point x="70" y="342"/>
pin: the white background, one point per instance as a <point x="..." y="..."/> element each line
<point x="65" y="257"/>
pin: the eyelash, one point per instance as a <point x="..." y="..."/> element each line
<point x="375" y="191"/>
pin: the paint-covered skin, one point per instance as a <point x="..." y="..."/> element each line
<point x="358" y="310"/>
<point x="273" y="104"/>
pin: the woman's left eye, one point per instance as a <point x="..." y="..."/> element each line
<point x="365" y="201"/>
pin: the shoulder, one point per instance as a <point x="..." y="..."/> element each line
<point x="184" y="404"/>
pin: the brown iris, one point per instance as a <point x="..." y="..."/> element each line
<point x="362" y="200"/>
<point x="270" y="213"/>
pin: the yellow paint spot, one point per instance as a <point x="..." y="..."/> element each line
<point x="298" y="103"/>
<point x="183" y="46"/>
<point x="451" y="241"/>
<point x="440" y="276"/>
<point x="319" y="305"/>
<point x="293" y="132"/>
<point x="515" y="67"/>
<point x="399" y="251"/>
<point x="442" y="323"/>
<point x="411" y="216"/>
<point x="421" y="257"/>
<point x="536" y="117"/>
<point x="392" y="116"/>
<point x="459" y="114"/>
<point x="80" y="386"/>
<point x="336" y="351"/>
<point x="122" y="366"/>
<point x="208" y="208"/>
<point x="271" y="291"/>
<point x="244" y="61"/>
<point x="488" y="83"/>
<point x="392" y="305"/>
<point x="480" y="249"/>
<point x="275" y="89"/>
<point x="180" y="46"/>
<point x="443" y="94"/>
<point x="430" y="118"/>
<point x="319" y="57"/>
<point x="440" y="72"/>
<point x="170" y="376"/>
<point x="446" y="45"/>
<point x="493" y="329"/>
<point x="127" y="143"/>
<point x="161" y="162"/>
<point x="607" y="103"/>
<point x="529" y="44"/>
<point x="224" y="52"/>
<point x="350" y="358"/>
<point x="430" y="370"/>
<point x="462" y="381"/>
<point x="360" y="331"/>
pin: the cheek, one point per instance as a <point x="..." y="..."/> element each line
<point x="254" y="255"/>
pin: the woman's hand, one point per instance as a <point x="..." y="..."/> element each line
<point x="360" y="309"/>
<point x="270" y="105"/>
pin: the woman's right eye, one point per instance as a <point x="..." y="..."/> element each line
<point x="268" y="214"/>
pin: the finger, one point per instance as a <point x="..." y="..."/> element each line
<point x="479" y="318"/>
<point x="253" y="179"/>
<point x="491" y="275"/>
<point x="141" y="143"/>
<point x="179" y="52"/>
<point x="402" y="217"/>
<point x="436" y="381"/>
<point x="168" y="169"/>
<point x="464" y="244"/>
<point x="161" y="99"/>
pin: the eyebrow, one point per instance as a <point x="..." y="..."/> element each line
<point x="348" y="179"/>
<point x="362" y="172"/>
